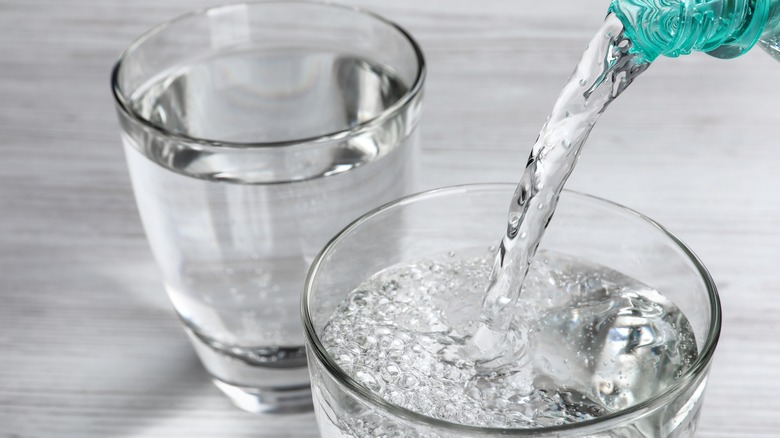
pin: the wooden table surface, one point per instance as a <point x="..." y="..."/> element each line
<point x="89" y="345"/>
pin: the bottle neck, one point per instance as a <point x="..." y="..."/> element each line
<point x="722" y="28"/>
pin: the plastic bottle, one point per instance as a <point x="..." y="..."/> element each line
<point x="721" y="28"/>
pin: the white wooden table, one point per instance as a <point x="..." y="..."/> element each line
<point x="89" y="346"/>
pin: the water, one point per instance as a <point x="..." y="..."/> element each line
<point x="266" y="97"/>
<point x="598" y="341"/>
<point x="235" y="227"/>
<point x="456" y="339"/>
<point x="606" y="69"/>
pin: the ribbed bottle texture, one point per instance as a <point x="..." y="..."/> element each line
<point x="722" y="28"/>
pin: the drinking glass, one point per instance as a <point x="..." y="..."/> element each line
<point x="253" y="133"/>
<point x="455" y="219"/>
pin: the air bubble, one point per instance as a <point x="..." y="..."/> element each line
<point x="358" y="298"/>
<point x="344" y="359"/>
<point x="447" y="411"/>
<point x="383" y="331"/>
<point x="364" y="341"/>
<point x="424" y="403"/>
<point x="391" y="287"/>
<point x="368" y="380"/>
<point x="384" y="342"/>
<point x="396" y="398"/>
<point x="408" y="381"/>
<point x="390" y="372"/>
<point x="396" y="344"/>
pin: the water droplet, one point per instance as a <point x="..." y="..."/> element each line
<point x="451" y="253"/>
<point x="566" y="143"/>
<point x="583" y="82"/>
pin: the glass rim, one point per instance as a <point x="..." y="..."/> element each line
<point x="700" y="364"/>
<point x="123" y="102"/>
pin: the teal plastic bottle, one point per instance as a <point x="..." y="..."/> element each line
<point x="721" y="28"/>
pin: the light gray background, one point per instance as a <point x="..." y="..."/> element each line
<point x="89" y="346"/>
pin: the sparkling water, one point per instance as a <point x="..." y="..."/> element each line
<point x="597" y="342"/>
<point x="234" y="227"/>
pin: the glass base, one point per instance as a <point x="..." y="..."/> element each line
<point x="268" y="401"/>
<point x="254" y="383"/>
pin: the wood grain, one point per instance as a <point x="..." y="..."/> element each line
<point x="89" y="346"/>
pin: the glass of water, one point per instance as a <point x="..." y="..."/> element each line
<point x="254" y="133"/>
<point x="618" y="321"/>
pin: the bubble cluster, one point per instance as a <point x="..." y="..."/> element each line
<point x="597" y="341"/>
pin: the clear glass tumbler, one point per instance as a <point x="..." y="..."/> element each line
<point x="254" y="133"/>
<point x="653" y="402"/>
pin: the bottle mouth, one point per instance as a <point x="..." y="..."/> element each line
<point x="722" y="29"/>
